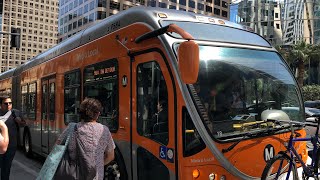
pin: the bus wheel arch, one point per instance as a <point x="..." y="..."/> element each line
<point x="116" y="169"/>
<point x="27" y="142"/>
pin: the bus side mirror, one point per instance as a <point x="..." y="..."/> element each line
<point x="188" y="57"/>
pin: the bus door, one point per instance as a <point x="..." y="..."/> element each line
<point x="153" y="122"/>
<point x="47" y="114"/>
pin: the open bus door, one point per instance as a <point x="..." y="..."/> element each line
<point x="153" y="132"/>
<point x="47" y="113"/>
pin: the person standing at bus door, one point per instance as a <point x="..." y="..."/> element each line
<point x="159" y="124"/>
<point x="12" y="122"/>
<point x="4" y="137"/>
<point x="93" y="135"/>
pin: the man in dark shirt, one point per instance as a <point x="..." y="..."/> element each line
<point x="13" y="121"/>
<point x="159" y="123"/>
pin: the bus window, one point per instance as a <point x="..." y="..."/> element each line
<point x="235" y="86"/>
<point x="192" y="142"/>
<point x="152" y="121"/>
<point x="24" y="103"/>
<point x="71" y="96"/>
<point x="32" y="96"/>
<point x="52" y="101"/>
<point x="44" y="102"/>
<point x="101" y="82"/>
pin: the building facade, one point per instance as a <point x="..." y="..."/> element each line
<point x="76" y="15"/>
<point x="38" y="22"/>
<point x="282" y="22"/>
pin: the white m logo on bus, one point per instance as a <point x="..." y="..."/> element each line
<point x="124" y="81"/>
<point x="268" y="152"/>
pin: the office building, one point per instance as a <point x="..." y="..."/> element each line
<point x="76" y="15"/>
<point x="282" y="22"/>
<point x="38" y="22"/>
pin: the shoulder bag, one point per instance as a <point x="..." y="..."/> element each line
<point x="52" y="162"/>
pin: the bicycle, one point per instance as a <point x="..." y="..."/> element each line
<point x="283" y="165"/>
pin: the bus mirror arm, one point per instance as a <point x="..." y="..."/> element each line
<point x="188" y="52"/>
<point x="165" y="29"/>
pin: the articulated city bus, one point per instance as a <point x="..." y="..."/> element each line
<point x="214" y="83"/>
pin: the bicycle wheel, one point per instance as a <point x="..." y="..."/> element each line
<point x="317" y="163"/>
<point x="273" y="170"/>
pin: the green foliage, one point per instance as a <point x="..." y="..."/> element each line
<point x="298" y="56"/>
<point x="311" y="92"/>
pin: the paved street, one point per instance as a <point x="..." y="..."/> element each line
<point x="28" y="169"/>
<point x="25" y="168"/>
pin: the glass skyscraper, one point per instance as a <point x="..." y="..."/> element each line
<point x="76" y="15"/>
<point x="282" y="22"/>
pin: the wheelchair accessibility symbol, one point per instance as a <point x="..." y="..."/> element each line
<point x="163" y="152"/>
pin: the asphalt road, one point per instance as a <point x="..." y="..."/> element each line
<point x="25" y="168"/>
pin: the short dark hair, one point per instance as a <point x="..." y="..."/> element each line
<point x="163" y="103"/>
<point x="2" y="98"/>
<point x="90" y="109"/>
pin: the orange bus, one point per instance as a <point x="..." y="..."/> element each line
<point x="184" y="95"/>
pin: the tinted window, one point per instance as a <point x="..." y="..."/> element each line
<point x="71" y="96"/>
<point x="192" y="142"/>
<point x="24" y="98"/>
<point x="32" y="97"/>
<point x="44" y="102"/>
<point x="101" y="82"/>
<point x="152" y="103"/>
<point x="52" y="103"/>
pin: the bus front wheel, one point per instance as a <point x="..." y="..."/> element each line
<point x="27" y="144"/>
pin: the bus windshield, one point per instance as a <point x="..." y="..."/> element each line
<point x="237" y="88"/>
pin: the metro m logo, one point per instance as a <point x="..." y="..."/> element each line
<point x="268" y="152"/>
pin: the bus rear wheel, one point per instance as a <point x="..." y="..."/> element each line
<point x="27" y="144"/>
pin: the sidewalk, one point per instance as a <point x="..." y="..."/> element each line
<point x="24" y="168"/>
<point x="20" y="171"/>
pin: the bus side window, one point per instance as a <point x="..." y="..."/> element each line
<point x="71" y="96"/>
<point x="192" y="142"/>
<point x="101" y="82"/>
<point x="32" y="97"/>
<point x="24" y="100"/>
<point x="152" y="103"/>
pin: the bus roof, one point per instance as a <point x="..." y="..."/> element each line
<point x="7" y="74"/>
<point x="148" y="15"/>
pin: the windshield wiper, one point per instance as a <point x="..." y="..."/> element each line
<point x="268" y="131"/>
<point x="247" y="135"/>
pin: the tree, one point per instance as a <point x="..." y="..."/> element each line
<point x="298" y="56"/>
<point x="302" y="53"/>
